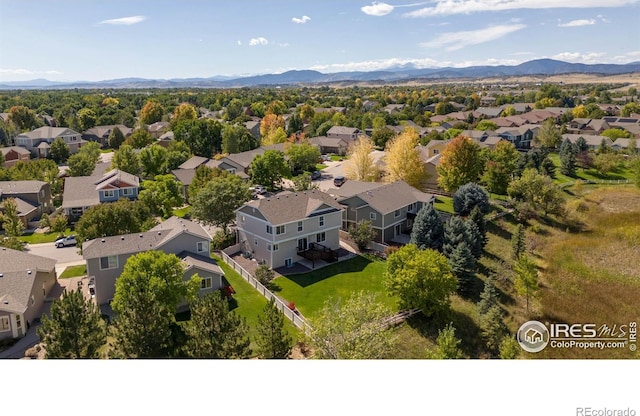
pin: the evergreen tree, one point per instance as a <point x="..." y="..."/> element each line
<point x="216" y="332"/>
<point x="526" y="282"/>
<point x="478" y="217"/>
<point x="75" y="329"/>
<point x="567" y="158"/>
<point x="116" y="138"/>
<point x="517" y="242"/>
<point x="488" y="297"/>
<point x="469" y="196"/>
<point x="447" y="344"/>
<point x="581" y="145"/>
<point x="509" y="348"/>
<point x="428" y="230"/>
<point x="272" y="339"/>
<point x="463" y="266"/>
<point x="455" y="232"/>
<point x="474" y="238"/>
<point x="493" y="327"/>
<point x="264" y="274"/>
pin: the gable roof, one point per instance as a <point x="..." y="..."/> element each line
<point x="153" y="239"/>
<point x="288" y="207"/>
<point x="18" y="149"/>
<point x="342" y="130"/>
<point x="20" y="187"/>
<point x="23" y="207"/>
<point x="18" y="272"/>
<point x="350" y="188"/>
<point x="105" y="131"/>
<point x="325" y="141"/>
<point x="193" y="162"/>
<point x="392" y="196"/>
<point x="114" y="177"/>
<point x="591" y="139"/>
<point x="48" y="132"/>
<point x="197" y="261"/>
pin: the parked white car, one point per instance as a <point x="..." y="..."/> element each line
<point x="66" y="241"/>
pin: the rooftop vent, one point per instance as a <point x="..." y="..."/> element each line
<point x="140" y="235"/>
<point x="1" y="275"/>
<point x="159" y="232"/>
<point x="6" y="302"/>
<point x="122" y="238"/>
<point x="28" y="271"/>
<point x="102" y="240"/>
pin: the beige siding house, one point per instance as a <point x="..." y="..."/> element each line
<point x="25" y="282"/>
<point x="282" y="230"/>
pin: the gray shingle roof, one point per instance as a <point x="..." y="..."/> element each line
<point x="20" y="187"/>
<point x="19" y="270"/>
<point x="139" y="242"/>
<point x="287" y="207"/>
<point x="80" y="191"/>
<point x="184" y="176"/>
<point x="22" y="206"/>
<point x="17" y="149"/>
<point x="342" y="130"/>
<point x="47" y="132"/>
<point x="193" y="162"/>
<point x="350" y="188"/>
<point x="393" y="196"/>
<point x="200" y="262"/>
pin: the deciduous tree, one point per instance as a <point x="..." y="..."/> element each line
<point x="549" y="136"/>
<point x="11" y="222"/>
<point x="216" y="202"/>
<point x="460" y="163"/>
<point x="203" y="136"/>
<point x="403" y="161"/>
<point x="526" y="279"/>
<point x="153" y="160"/>
<point x="420" y="278"/>
<point x="500" y="167"/>
<point x="151" y="112"/>
<point x="303" y="157"/>
<point x="59" y="150"/>
<point x="539" y="192"/>
<point x="147" y="295"/>
<point x="269" y="168"/>
<point x="162" y="195"/>
<point x="75" y="328"/>
<point x="360" y="165"/>
<point x="447" y="345"/>
<point x="126" y="160"/>
<point x="352" y="329"/>
<point x="362" y="234"/>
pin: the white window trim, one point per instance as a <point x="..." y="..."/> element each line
<point x="108" y="268"/>
<point x="321" y="221"/>
<point x="300" y="226"/>
<point x="6" y="325"/>
<point x="319" y="235"/>
<point x="127" y="191"/>
<point x="204" y="285"/>
<point x="279" y="227"/>
<point x="396" y="213"/>
<point x="372" y="216"/>
<point x="269" y="229"/>
<point x="204" y="245"/>
<point x="108" y="193"/>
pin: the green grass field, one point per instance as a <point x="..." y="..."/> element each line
<point x="444" y="204"/>
<point x="74" y="271"/>
<point x="589" y="174"/>
<point x="38" y="238"/>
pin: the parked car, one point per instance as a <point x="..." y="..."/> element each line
<point x="325" y="158"/>
<point x="66" y="241"/>
<point x="339" y="180"/>
<point x="258" y="190"/>
<point x="316" y="175"/>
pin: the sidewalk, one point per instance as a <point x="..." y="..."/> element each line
<point x="26" y="342"/>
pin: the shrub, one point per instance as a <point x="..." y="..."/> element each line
<point x="469" y="196"/>
<point x="264" y="274"/>
<point x="222" y="240"/>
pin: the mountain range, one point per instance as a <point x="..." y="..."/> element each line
<point x="542" y="67"/>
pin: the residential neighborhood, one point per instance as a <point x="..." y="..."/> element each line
<point x="177" y="207"/>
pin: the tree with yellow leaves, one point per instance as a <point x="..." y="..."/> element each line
<point x="269" y="129"/>
<point x="361" y="166"/>
<point x="403" y="161"/>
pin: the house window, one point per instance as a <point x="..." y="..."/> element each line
<point x="288" y="262"/>
<point x="4" y="323"/>
<point x="269" y="229"/>
<point x="299" y="226"/>
<point x="372" y="216"/>
<point x="205" y="283"/>
<point x="435" y="151"/>
<point x="255" y="242"/>
<point x="320" y="237"/>
<point x="232" y="170"/>
<point x="271" y="247"/>
<point x="280" y="229"/>
<point x="321" y="221"/>
<point x="241" y="218"/>
<point x="201" y="246"/>
<point x="275" y="247"/>
<point x="18" y="322"/>
<point x="396" y="213"/>
<point x="127" y="191"/>
<point x="108" y="194"/>
<point x="108" y="262"/>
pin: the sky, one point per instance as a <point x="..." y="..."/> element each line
<point x="89" y="40"/>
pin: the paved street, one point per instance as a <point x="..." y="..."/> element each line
<point x="66" y="256"/>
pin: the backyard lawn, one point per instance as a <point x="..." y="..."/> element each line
<point x="310" y="290"/>
<point x="589" y="174"/>
<point x="444" y="204"/>
<point x="74" y="271"/>
<point x="37" y="238"/>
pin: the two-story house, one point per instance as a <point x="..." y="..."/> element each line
<point x="25" y="282"/>
<point x="106" y="257"/>
<point x="38" y="141"/>
<point x="33" y="198"/>
<point x="282" y="230"/>
<point x="521" y="137"/>
<point x="391" y="208"/>
<point x="593" y="141"/>
<point x="82" y="192"/>
<point x="348" y="134"/>
<point x="586" y="126"/>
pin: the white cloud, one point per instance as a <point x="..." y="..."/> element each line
<point x="21" y="71"/>
<point x="603" y="19"/>
<point x="302" y="20"/>
<point x="576" y="23"/>
<point x="124" y="21"/>
<point x="451" y="7"/>
<point x="258" y="41"/>
<point x="583" y="58"/>
<point x="383" y="64"/>
<point x="239" y="43"/>
<point x="377" y="9"/>
<point x="457" y="40"/>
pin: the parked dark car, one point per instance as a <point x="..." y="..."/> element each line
<point x="339" y="180"/>
<point x="316" y="175"/>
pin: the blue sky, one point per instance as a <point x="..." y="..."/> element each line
<point x="71" y="40"/>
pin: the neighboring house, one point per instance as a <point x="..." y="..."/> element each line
<point x="487" y="112"/>
<point x="391" y="208"/>
<point x="83" y="192"/>
<point x="327" y="145"/>
<point x="587" y="126"/>
<point x="14" y="154"/>
<point x="282" y="230"/>
<point x="254" y="128"/>
<point x="100" y="134"/>
<point x="521" y="137"/>
<point x="39" y="141"/>
<point x="33" y="198"/>
<point x="623" y="144"/>
<point x="593" y="141"/>
<point x="106" y="257"/>
<point x="434" y="147"/>
<point x="431" y="165"/>
<point x="156" y="129"/>
<point x="394" y="108"/>
<point x="348" y="134"/>
<point x="25" y="282"/>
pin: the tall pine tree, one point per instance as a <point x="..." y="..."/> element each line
<point x="463" y="266"/>
<point x="567" y="158"/>
<point x="428" y="230"/>
<point x="272" y="339"/>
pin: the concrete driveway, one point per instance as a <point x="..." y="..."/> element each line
<point x="64" y="257"/>
<point x="334" y="169"/>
